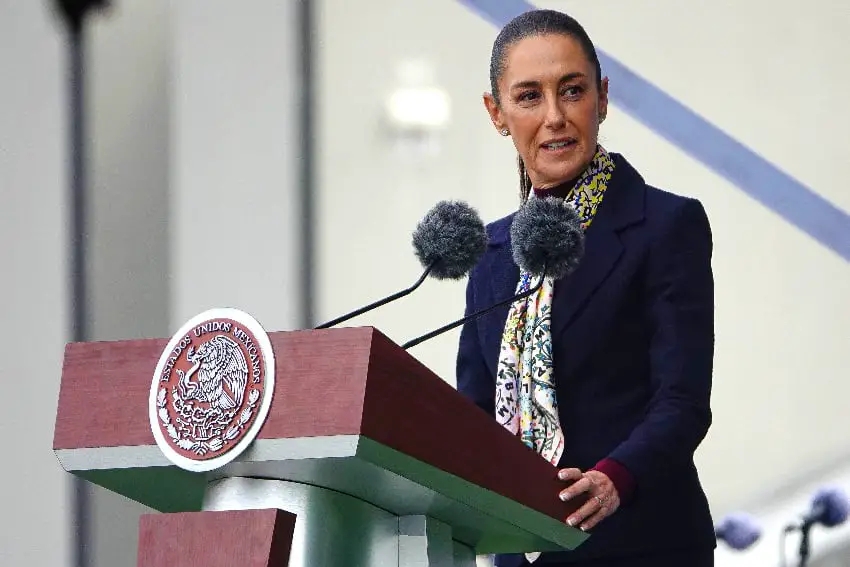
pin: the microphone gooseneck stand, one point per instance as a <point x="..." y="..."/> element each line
<point x="804" y="544"/>
<point x="804" y="549"/>
<point x="472" y="316"/>
<point x="380" y="302"/>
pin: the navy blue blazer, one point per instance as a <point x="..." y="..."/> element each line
<point x="633" y="346"/>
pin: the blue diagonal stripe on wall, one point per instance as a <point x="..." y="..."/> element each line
<point x="705" y="142"/>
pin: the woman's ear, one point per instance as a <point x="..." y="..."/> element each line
<point x="603" y="100"/>
<point x="495" y="112"/>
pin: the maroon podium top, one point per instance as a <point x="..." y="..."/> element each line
<point x="347" y="402"/>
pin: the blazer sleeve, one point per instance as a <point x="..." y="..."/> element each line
<point x="680" y="310"/>
<point x="473" y="378"/>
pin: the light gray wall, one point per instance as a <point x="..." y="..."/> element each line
<point x="34" y="503"/>
<point x="129" y="158"/>
<point x="235" y="195"/>
<point x="368" y="198"/>
<point x="130" y="151"/>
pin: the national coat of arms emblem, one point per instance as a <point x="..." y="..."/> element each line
<point x="212" y="389"/>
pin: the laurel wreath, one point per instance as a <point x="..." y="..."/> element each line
<point x="201" y="448"/>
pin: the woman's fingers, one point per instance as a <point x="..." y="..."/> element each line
<point x="586" y="512"/>
<point x="594" y="518"/>
<point x="570" y="474"/>
<point x="603" y="499"/>
<point x="578" y="487"/>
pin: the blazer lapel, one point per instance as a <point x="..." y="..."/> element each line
<point x="602" y="251"/>
<point x="622" y="206"/>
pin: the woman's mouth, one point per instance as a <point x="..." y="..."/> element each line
<point x="558" y="145"/>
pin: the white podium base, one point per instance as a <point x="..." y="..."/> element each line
<point x="337" y="530"/>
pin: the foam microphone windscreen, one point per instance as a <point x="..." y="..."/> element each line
<point x="452" y="237"/>
<point x="833" y="504"/>
<point x="546" y="235"/>
<point x="738" y="530"/>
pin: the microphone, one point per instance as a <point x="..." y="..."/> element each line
<point x="829" y="508"/>
<point x="547" y="241"/>
<point x="448" y="242"/>
<point x="738" y="530"/>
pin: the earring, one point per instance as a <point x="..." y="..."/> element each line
<point x="504" y="132"/>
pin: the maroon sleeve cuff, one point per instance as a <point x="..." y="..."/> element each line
<point x="623" y="480"/>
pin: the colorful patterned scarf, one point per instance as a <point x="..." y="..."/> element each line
<point x="525" y="385"/>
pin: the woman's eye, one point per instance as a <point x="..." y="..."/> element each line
<point x="573" y="91"/>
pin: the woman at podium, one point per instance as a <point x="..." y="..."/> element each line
<point x="606" y="373"/>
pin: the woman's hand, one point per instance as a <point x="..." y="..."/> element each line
<point x="603" y="497"/>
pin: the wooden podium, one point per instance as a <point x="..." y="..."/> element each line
<point x="366" y="458"/>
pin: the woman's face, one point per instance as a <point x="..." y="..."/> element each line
<point x="551" y="105"/>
